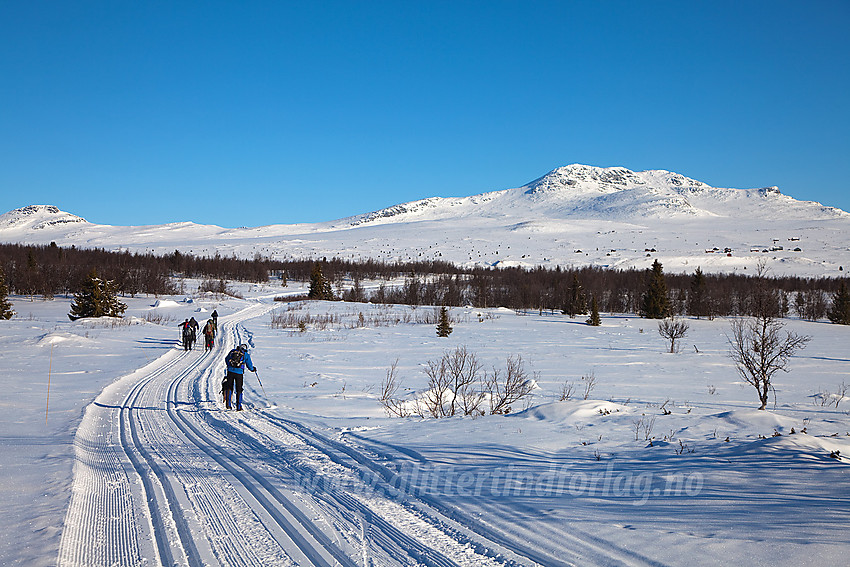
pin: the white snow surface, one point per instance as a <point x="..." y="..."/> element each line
<point x="134" y="461"/>
<point x="576" y="215"/>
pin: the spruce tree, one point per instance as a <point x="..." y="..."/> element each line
<point x="97" y="298"/>
<point x="840" y="311"/>
<point x="696" y="299"/>
<point x="655" y="303"/>
<point x="6" y="311"/>
<point x="576" y="302"/>
<point x="444" y="328"/>
<point x="320" y="287"/>
<point x="594" y="320"/>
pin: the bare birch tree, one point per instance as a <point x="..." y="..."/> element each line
<point x="759" y="350"/>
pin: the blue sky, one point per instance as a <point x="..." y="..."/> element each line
<point x="253" y="113"/>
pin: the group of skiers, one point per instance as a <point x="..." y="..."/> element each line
<point x="189" y="332"/>
<point x="237" y="360"/>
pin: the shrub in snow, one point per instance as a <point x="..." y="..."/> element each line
<point x="457" y="385"/>
<point x="566" y="391"/>
<point x="503" y="390"/>
<point x="673" y="329"/>
<point x="589" y="383"/>
<point x="452" y="385"/>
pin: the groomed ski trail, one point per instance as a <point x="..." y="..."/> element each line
<point x="163" y="476"/>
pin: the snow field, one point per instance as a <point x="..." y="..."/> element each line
<point x="314" y="472"/>
<point x="691" y="485"/>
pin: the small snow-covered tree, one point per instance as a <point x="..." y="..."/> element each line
<point x="97" y="298"/>
<point x="6" y="311"/>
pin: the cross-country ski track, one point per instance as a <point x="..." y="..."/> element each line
<point x="165" y="476"/>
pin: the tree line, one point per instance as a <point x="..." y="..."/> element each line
<point x="575" y="291"/>
<point x="52" y="270"/>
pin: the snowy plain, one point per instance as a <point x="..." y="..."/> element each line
<point x="315" y="460"/>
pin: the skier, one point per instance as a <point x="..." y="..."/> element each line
<point x="194" y="325"/>
<point x="237" y="361"/>
<point x="186" y="334"/>
<point x="209" y="335"/>
<point x="214" y="321"/>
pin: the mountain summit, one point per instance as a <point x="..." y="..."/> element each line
<point x="613" y="193"/>
<point x="37" y="217"/>
<point x="606" y="178"/>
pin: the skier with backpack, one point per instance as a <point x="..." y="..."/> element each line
<point x="237" y="360"/>
<point x="209" y="335"/>
<point x="194" y="325"/>
<point x="186" y="334"/>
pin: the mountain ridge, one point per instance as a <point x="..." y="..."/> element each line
<point x="573" y="216"/>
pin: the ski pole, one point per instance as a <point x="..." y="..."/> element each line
<point x="261" y="383"/>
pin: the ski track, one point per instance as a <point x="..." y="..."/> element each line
<point x="163" y="476"/>
<point x="569" y="544"/>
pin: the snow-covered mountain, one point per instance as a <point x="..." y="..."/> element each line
<point x="614" y="193"/>
<point x="37" y="217"/>
<point x="573" y="215"/>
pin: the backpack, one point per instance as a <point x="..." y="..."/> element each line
<point x="234" y="358"/>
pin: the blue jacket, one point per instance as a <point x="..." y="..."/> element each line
<point x="246" y="363"/>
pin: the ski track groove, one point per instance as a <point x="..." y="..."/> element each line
<point x="189" y="484"/>
<point x="96" y="498"/>
<point x="482" y="541"/>
<point x="588" y="548"/>
<point x="232" y="464"/>
<point x="393" y="538"/>
<point x="338" y="500"/>
<point x="235" y="535"/>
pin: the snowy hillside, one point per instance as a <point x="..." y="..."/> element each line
<point x="573" y="216"/>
